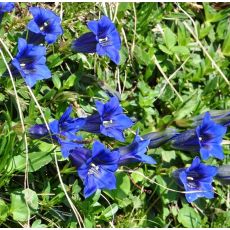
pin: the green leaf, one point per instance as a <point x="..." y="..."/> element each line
<point x="109" y="211"/>
<point x="169" y="37"/>
<point x="54" y="60"/>
<point x="165" y="49"/>
<point x="57" y="82"/>
<point x="182" y="50"/>
<point x="142" y="56"/>
<point x="123" y="186"/>
<point x="19" y="208"/>
<point x="226" y="44"/>
<point x="70" y="81"/>
<point x="38" y="224"/>
<point x="189" y="218"/>
<point x="3" y="210"/>
<point x="36" y="161"/>
<point x="167" y="156"/>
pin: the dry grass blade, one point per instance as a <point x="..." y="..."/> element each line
<point x="26" y="180"/>
<point x="166" y="78"/>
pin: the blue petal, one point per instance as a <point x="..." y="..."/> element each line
<point x="50" y="38"/>
<point x="100" y="107"/>
<point x="113" y="132"/>
<point x="112" y="107"/>
<point x="105" y="179"/>
<point x="92" y="124"/>
<point x="121" y="121"/>
<point x="191" y="196"/>
<point x="195" y="164"/>
<point x="6" y="7"/>
<point x="106" y="26"/>
<point x="33" y="26"/>
<point x="116" y="40"/>
<point x="22" y="44"/>
<point x="54" y="126"/>
<point x="66" y="115"/>
<point x="90" y="186"/>
<point x="93" y="26"/>
<point x="85" y="44"/>
<point x="113" y="54"/>
<point x="79" y="156"/>
<point x="97" y="148"/>
<point x="38" y="131"/>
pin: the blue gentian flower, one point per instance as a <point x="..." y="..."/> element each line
<point x="109" y="120"/>
<point x="39" y="131"/>
<point x="45" y="23"/>
<point x="30" y="62"/>
<point x="63" y="130"/>
<point x="98" y="171"/>
<point x="103" y="40"/>
<point x="197" y="180"/>
<point x="206" y="139"/>
<point x="6" y="7"/>
<point x="135" y="152"/>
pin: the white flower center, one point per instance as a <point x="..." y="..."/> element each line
<point x="94" y="170"/>
<point x="104" y="41"/>
<point x="107" y="123"/>
<point x="44" y="26"/>
<point x="191" y="182"/>
<point x="22" y="64"/>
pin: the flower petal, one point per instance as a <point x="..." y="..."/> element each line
<point x="85" y="44"/>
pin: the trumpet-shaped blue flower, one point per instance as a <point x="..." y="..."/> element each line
<point x="197" y="180"/>
<point x="63" y="131"/>
<point x="135" y="152"/>
<point x="30" y="62"/>
<point x="206" y="139"/>
<point x="98" y="170"/>
<point x="109" y="121"/>
<point x="103" y="40"/>
<point x="45" y="23"/>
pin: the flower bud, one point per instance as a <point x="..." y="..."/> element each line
<point x="223" y="174"/>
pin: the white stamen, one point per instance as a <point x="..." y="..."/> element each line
<point x="93" y="170"/>
<point x="189" y="178"/>
<point x="22" y="64"/>
<point x="42" y="27"/>
<point x="107" y="122"/>
<point x="102" y="40"/>
<point x="200" y="139"/>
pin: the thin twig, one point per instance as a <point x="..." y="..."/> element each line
<point x="111" y="223"/>
<point x="135" y="29"/>
<point x="172" y="75"/>
<point x="166" y="78"/>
